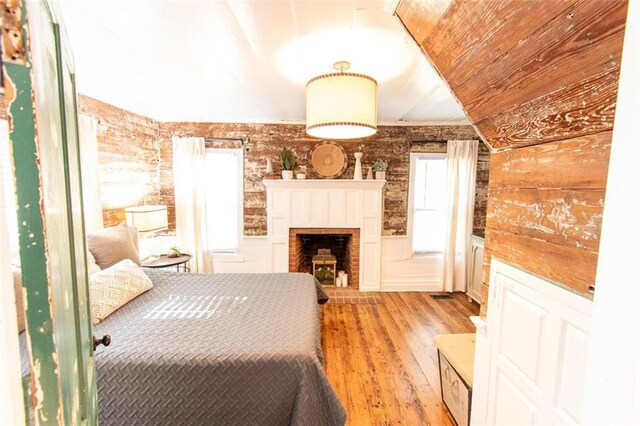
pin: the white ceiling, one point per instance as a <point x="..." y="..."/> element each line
<point x="246" y="61"/>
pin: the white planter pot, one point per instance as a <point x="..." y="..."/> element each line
<point x="301" y="176"/>
<point x="381" y="175"/>
<point x="287" y="174"/>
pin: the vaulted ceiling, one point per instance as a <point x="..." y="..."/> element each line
<point x="526" y="72"/>
<point x="247" y="61"/>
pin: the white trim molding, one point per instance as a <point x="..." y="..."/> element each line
<point x="613" y="371"/>
<point x="413" y="157"/>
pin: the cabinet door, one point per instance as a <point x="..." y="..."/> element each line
<point x="42" y="112"/>
<point x="538" y="337"/>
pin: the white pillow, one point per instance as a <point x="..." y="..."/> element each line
<point x="114" y="287"/>
<point x="92" y="266"/>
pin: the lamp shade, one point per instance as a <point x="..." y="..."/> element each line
<point x="342" y="106"/>
<point x="147" y="218"/>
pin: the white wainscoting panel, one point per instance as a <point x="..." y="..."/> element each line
<point x="537" y="344"/>
<point x="512" y="405"/>
<point x="520" y="342"/>
<point x="573" y="364"/>
<point x="402" y="271"/>
<point x="251" y="257"/>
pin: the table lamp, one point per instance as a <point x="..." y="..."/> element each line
<point x="149" y="220"/>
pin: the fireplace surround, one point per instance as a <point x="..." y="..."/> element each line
<point x="329" y="206"/>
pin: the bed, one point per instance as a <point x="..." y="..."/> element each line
<point x="220" y="349"/>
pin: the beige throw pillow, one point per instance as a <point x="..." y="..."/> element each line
<point x="133" y="231"/>
<point x="111" y="245"/>
<point x="114" y="287"/>
<point x="92" y="266"/>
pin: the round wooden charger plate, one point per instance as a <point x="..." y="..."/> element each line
<point x="328" y="160"/>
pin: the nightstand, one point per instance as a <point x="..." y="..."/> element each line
<point x="163" y="261"/>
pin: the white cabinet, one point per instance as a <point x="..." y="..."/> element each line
<point x="536" y="353"/>
<point x="474" y="278"/>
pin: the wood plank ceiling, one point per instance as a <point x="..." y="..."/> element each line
<point x="539" y="82"/>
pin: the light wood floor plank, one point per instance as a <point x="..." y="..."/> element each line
<point x="398" y="396"/>
<point x="381" y="360"/>
<point x="412" y="357"/>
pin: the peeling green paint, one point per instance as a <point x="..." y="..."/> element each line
<point x="43" y="133"/>
<point x="39" y="315"/>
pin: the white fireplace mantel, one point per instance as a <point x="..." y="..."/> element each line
<point x="326" y="203"/>
<point x="323" y="184"/>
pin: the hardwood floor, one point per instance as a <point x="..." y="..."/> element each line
<point x="381" y="360"/>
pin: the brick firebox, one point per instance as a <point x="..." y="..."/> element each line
<point x="352" y="250"/>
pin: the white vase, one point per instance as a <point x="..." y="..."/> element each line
<point x="287" y="174"/>
<point x="269" y="168"/>
<point x="357" y="174"/>
<point x="381" y="175"/>
<point x="369" y="173"/>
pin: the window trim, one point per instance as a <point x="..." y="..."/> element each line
<point x="240" y="191"/>
<point x="413" y="157"/>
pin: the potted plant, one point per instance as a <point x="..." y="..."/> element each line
<point x="288" y="162"/>
<point x="174" y="251"/>
<point x="381" y="166"/>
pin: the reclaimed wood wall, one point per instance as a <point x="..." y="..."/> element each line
<point x="135" y="156"/>
<point x="539" y="82"/>
<point x="127" y="156"/>
<point x="135" y="161"/>
<point x="392" y="143"/>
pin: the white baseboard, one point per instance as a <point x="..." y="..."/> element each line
<point x="411" y="286"/>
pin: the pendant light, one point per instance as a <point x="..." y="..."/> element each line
<point x="342" y="105"/>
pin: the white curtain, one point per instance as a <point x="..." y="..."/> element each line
<point x="189" y="180"/>
<point x="88" y="138"/>
<point x="461" y="189"/>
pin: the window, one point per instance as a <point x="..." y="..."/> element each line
<point x="8" y="190"/>
<point x="427" y="202"/>
<point x="223" y="192"/>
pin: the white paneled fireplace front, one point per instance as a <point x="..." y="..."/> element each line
<point x="326" y="204"/>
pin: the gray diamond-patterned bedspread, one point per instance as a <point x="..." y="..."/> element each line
<point x="220" y="349"/>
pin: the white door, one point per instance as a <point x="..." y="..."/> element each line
<point x="538" y="340"/>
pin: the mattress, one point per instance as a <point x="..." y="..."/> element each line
<point x="220" y="349"/>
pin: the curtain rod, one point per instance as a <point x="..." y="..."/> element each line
<point x="243" y="140"/>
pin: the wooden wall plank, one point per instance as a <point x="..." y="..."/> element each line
<point x="421" y="16"/>
<point x="566" y="217"/>
<point x="393" y="143"/>
<point x="584" y="41"/>
<point x="569" y="267"/>
<point x="463" y="36"/>
<point x="581" y="109"/>
<point x="576" y="163"/>
<point x="484" y="293"/>
<point x="540" y="77"/>
<point x="127" y="156"/>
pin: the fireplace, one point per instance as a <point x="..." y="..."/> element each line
<point x="344" y="243"/>
<point x="326" y="207"/>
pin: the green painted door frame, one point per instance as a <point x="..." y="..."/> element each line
<point x="42" y="115"/>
